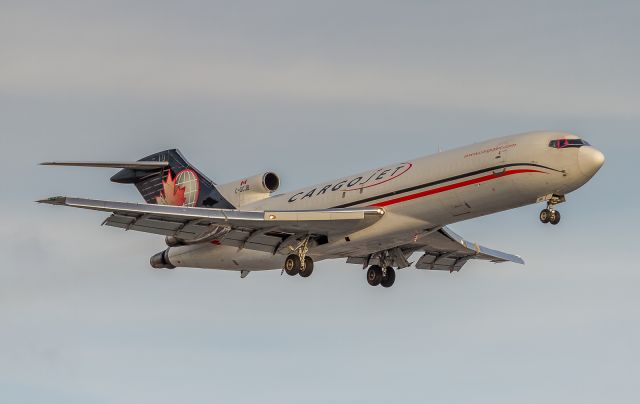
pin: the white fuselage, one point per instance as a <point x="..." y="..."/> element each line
<point x="422" y="194"/>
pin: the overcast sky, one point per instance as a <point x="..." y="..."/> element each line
<point x="314" y="91"/>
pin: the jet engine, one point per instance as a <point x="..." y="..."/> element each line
<point x="161" y="261"/>
<point x="251" y="189"/>
<point x="262" y="183"/>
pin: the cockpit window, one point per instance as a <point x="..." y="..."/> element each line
<point x="565" y="143"/>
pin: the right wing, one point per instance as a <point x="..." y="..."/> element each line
<point x="442" y="249"/>
<point x="257" y="230"/>
<point x="445" y="250"/>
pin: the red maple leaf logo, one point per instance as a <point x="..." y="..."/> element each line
<point x="171" y="194"/>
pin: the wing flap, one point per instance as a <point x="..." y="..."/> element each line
<point x="443" y="262"/>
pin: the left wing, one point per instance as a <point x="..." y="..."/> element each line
<point x="257" y="230"/>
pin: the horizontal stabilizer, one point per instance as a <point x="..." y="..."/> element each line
<point x="164" y="177"/>
<point x="132" y="165"/>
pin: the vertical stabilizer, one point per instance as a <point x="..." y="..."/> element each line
<point x="176" y="183"/>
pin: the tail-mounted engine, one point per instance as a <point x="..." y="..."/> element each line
<point x="249" y="190"/>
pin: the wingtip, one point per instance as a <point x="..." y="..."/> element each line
<point x="54" y="200"/>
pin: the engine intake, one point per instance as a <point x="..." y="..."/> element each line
<point x="271" y="181"/>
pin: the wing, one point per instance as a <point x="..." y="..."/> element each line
<point x="269" y="231"/>
<point x="444" y="250"/>
<point x="447" y="251"/>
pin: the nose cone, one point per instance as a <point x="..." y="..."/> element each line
<point x="590" y="160"/>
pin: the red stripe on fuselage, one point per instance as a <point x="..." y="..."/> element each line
<point x="450" y="187"/>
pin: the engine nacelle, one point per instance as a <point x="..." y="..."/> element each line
<point x="161" y="260"/>
<point x="262" y="183"/>
<point x="251" y="189"/>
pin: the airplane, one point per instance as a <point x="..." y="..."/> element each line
<point x="376" y="219"/>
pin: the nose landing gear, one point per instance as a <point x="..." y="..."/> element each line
<point x="550" y="214"/>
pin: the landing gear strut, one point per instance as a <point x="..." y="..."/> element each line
<point x="299" y="263"/>
<point x="379" y="276"/>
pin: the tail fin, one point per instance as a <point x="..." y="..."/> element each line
<point x="176" y="182"/>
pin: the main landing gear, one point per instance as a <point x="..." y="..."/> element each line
<point x="381" y="276"/>
<point x="550" y="214"/>
<point x="299" y="263"/>
<point x="293" y="266"/>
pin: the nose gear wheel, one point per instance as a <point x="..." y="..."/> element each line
<point x="545" y="216"/>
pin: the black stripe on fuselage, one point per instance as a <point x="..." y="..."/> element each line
<point x="434" y="183"/>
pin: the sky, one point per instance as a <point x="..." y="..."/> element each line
<point x="313" y="91"/>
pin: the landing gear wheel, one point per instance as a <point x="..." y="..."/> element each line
<point x="374" y="275"/>
<point x="545" y="216"/>
<point x="389" y="278"/>
<point x="555" y="217"/>
<point x="308" y="267"/>
<point x="292" y="265"/>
